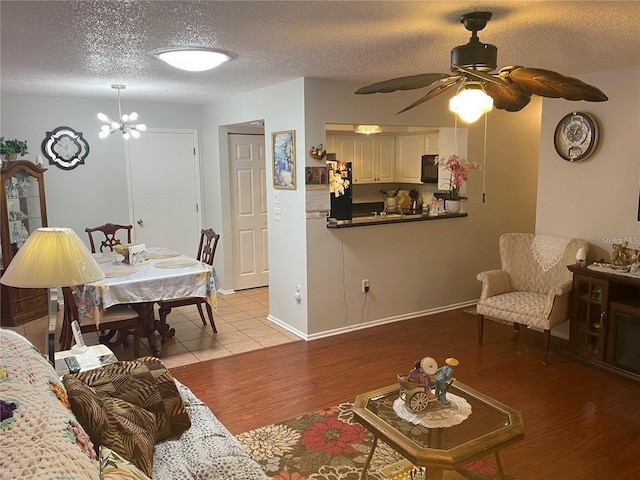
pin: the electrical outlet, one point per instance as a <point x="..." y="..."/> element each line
<point x="365" y="285"/>
<point x="276" y="213"/>
<point x="297" y="295"/>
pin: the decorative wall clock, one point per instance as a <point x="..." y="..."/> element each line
<point x="65" y="148"/>
<point x="576" y="136"/>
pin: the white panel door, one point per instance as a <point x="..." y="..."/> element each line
<point x="249" y="211"/>
<point x="165" y="190"/>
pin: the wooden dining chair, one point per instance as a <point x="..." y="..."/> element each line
<point x="110" y="230"/>
<point x="206" y="253"/>
<point x="120" y="318"/>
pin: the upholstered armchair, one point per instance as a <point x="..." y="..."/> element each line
<point x="533" y="287"/>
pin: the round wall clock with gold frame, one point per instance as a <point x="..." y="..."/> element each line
<point x="65" y="148"/>
<point x="576" y="136"/>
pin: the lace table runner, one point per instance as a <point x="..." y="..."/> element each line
<point x="455" y="413"/>
<point x="613" y="271"/>
<point x="548" y="250"/>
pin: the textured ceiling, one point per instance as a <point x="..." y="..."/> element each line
<point x="79" y="48"/>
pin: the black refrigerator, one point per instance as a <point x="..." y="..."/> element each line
<point x="341" y="190"/>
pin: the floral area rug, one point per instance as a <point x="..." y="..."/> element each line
<point x="331" y="445"/>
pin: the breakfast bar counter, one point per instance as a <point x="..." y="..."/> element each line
<point x="384" y="219"/>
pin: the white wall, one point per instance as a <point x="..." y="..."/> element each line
<point x="595" y="199"/>
<point x="413" y="268"/>
<point x="281" y="107"/>
<point x="425" y="266"/>
<point x="96" y="192"/>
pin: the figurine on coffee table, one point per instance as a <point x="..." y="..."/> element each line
<point x="418" y="375"/>
<point x="443" y="378"/>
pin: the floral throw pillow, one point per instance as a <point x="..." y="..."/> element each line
<point x="115" y="467"/>
<point x="122" y="426"/>
<point x="147" y="383"/>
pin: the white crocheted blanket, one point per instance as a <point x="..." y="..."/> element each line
<point x="39" y="436"/>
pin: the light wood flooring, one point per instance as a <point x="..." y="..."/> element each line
<point x="582" y="422"/>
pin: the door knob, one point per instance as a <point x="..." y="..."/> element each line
<point x="140" y="222"/>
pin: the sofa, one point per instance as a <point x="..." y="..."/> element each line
<point x="48" y="425"/>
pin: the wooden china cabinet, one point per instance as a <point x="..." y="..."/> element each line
<point x="24" y="210"/>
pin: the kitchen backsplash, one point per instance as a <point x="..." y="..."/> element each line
<point x="371" y="192"/>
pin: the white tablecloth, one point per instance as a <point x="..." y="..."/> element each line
<point x="147" y="284"/>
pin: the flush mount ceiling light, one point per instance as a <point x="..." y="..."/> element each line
<point x="367" y="129"/>
<point x="124" y="125"/>
<point x="471" y="102"/>
<point x="193" y="59"/>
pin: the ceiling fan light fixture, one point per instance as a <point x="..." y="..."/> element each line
<point x="470" y="103"/>
<point x="193" y="59"/>
<point x="367" y="129"/>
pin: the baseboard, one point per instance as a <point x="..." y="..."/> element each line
<point x="560" y="331"/>
<point x="374" y="323"/>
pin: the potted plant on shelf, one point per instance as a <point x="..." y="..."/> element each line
<point x="459" y="170"/>
<point x="10" y="149"/>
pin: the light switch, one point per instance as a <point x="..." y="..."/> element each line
<point x="276" y="213"/>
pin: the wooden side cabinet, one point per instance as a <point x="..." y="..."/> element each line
<point x="605" y="319"/>
<point x="623" y="348"/>
<point x="23" y="211"/>
<point x="589" y="320"/>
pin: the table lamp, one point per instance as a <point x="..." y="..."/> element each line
<point x="581" y="257"/>
<point x="51" y="258"/>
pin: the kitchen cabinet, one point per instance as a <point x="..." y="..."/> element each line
<point x="344" y="146"/>
<point x="372" y="156"/>
<point x="432" y="143"/>
<point x="375" y="159"/>
<point x="23" y="211"/>
<point x="411" y="147"/>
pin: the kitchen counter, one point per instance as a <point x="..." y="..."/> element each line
<point x="384" y="219"/>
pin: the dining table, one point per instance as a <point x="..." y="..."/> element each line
<point x="161" y="274"/>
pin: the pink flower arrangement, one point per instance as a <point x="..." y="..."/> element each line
<point x="459" y="169"/>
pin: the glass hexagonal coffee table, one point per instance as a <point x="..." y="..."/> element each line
<point x="489" y="427"/>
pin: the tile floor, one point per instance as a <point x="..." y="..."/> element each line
<point x="241" y="320"/>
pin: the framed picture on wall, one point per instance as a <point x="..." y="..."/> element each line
<point x="316" y="177"/>
<point x="284" y="159"/>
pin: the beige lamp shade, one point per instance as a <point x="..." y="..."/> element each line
<point x="52" y="257"/>
<point x="581" y="256"/>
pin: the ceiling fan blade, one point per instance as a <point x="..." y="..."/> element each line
<point x="403" y="83"/>
<point x="547" y="83"/>
<point x="489" y="77"/>
<point x="511" y="98"/>
<point x="433" y="92"/>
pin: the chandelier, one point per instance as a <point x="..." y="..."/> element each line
<point x="125" y="124"/>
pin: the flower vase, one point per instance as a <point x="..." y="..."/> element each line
<point x="6" y="158"/>
<point x="452" y="206"/>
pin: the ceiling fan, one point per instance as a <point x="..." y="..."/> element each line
<point x="511" y="88"/>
